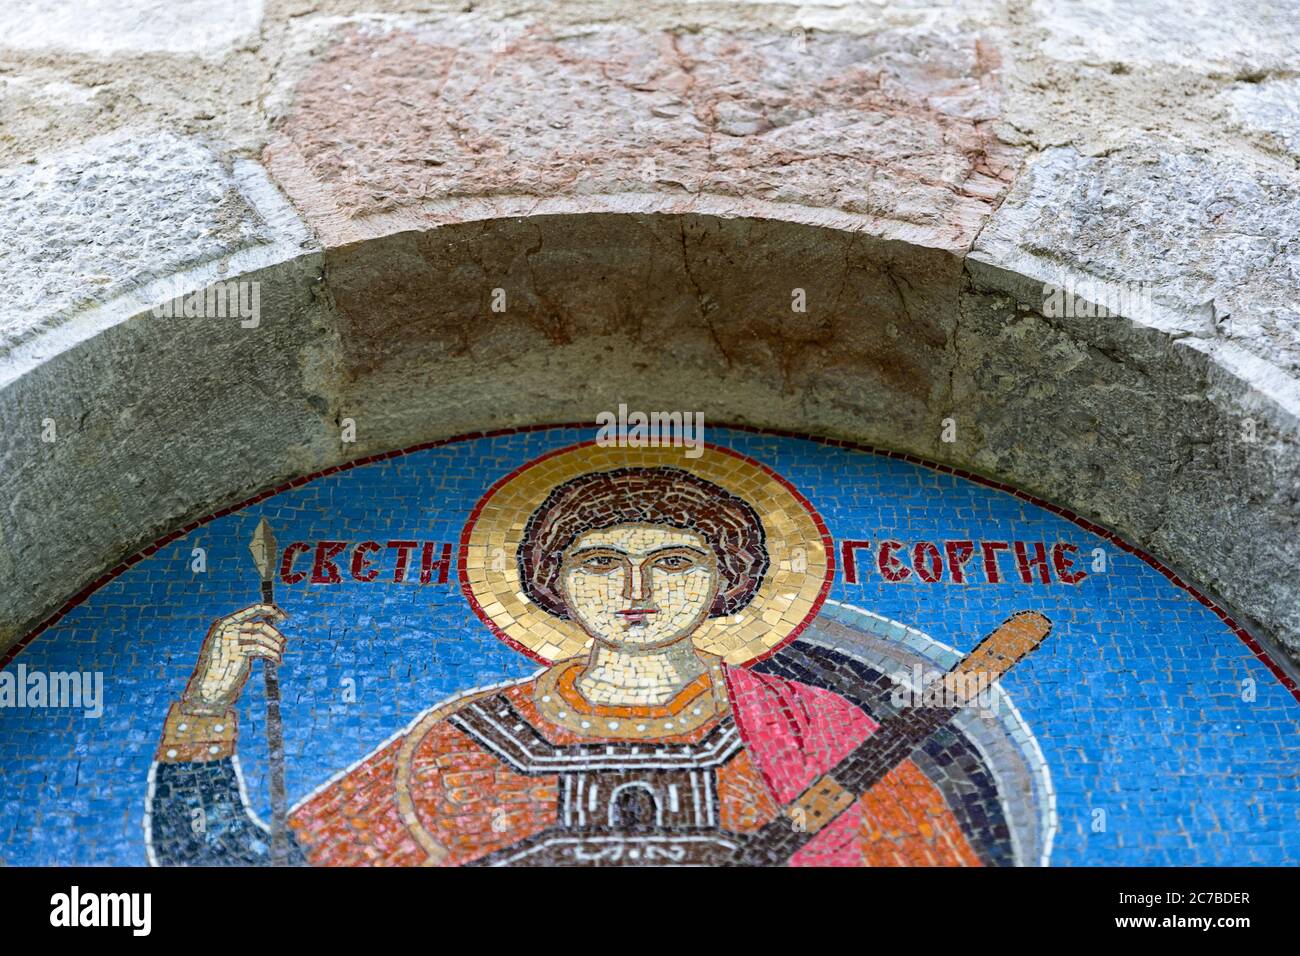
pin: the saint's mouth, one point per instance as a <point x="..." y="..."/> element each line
<point x="636" y="616"/>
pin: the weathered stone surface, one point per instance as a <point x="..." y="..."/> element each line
<point x="141" y="406"/>
<point x="147" y="420"/>
<point x="1177" y="420"/>
<point x="1271" y="109"/>
<point x="1200" y="35"/>
<point x="648" y="185"/>
<point x="93" y="222"/>
<point x="1214" y="242"/>
<point x="107" y="27"/>
<point x="1139" y="430"/>
<point x="605" y="308"/>
<point x="34" y="106"/>
<point x="890" y="131"/>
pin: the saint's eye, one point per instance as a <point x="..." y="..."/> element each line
<point x="675" y="562"/>
<point x="600" y="562"/>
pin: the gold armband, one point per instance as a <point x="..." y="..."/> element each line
<point x="196" y="737"/>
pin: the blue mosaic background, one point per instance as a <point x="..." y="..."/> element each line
<point x="1136" y="699"/>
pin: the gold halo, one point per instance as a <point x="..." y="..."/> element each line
<point x="802" y="557"/>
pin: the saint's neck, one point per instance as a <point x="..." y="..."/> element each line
<point x="630" y="677"/>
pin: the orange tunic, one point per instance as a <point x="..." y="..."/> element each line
<point x="471" y="778"/>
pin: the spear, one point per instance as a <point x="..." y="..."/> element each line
<point x="263" y="550"/>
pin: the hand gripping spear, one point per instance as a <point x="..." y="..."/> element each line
<point x="263" y="550"/>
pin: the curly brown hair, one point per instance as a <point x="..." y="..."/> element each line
<point x="644" y="495"/>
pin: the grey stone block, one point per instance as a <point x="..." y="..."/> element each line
<point x="1173" y="416"/>
<point x="108" y="27"/>
<point x="110" y="216"/>
<point x="152" y="414"/>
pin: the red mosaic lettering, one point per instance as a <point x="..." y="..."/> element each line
<point x="959" y="552"/>
<point x="848" y="552"/>
<point x="287" y="574"/>
<point x="1027" y="565"/>
<point x="891" y="569"/>
<point x="428" y="565"/>
<point x="927" y="561"/>
<point x="1064" y="564"/>
<point x="323" y="569"/>
<point x="403" y="549"/>
<point x="362" y="570"/>
<point x="990" y="551"/>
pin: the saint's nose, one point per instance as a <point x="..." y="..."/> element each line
<point x="636" y="584"/>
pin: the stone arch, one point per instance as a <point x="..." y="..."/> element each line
<point x="1120" y="421"/>
<point x="1046" y="250"/>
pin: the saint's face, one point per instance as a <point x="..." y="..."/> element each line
<point x="639" y="586"/>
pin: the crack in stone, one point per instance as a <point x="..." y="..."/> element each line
<point x="702" y="298"/>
